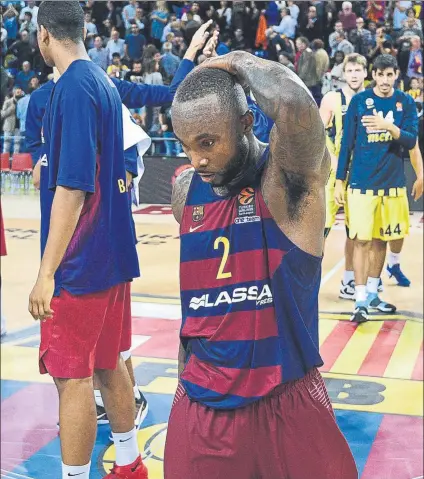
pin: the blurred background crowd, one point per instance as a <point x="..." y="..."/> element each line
<point x="145" y="41"/>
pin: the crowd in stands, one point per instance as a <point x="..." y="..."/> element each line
<point x="145" y="41"/>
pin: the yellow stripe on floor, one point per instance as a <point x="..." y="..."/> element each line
<point x="402" y="362"/>
<point x="356" y="350"/>
<point x="325" y="329"/>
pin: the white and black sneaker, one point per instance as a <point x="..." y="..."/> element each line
<point x="374" y="302"/>
<point x="101" y="415"/>
<point x="360" y="315"/>
<point x="347" y="290"/>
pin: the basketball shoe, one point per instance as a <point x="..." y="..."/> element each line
<point x="136" y="470"/>
<point x="396" y="272"/>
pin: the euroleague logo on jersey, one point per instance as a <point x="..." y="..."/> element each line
<point x="246" y="196"/>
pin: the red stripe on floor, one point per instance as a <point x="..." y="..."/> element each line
<point x="28" y="423"/>
<point x="418" y="369"/>
<point x="335" y="343"/>
<point x="378" y="357"/>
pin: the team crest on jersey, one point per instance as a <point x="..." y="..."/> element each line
<point x="246" y="206"/>
<point x="369" y="102"/>
<point x="399" y="106"/>
<point x="198" y="213"/>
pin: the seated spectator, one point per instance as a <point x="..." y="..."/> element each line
<point x="134" y="43"/>
<point x="116" y="69"/>
<point x="22" y="49"/>
<point x="91" y="30"/>
<point x="128" y="14"/>
<point x="169" y="62"/>
<point x="361" y="38"/>
<point x="24" y="77"/>
<point x="135" y="75"/>
<point x="347" y="17"/>
<point x="224" y="45"/>
<point x="343" y="44"/>
<point x="415" y="90"/>
<point x="115" y="45"/>
<point x="99" y="55"/>
<point x="287" y="25"/>
<point x="332" y="40"/>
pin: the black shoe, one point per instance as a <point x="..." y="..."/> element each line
<point x="141" y="410"/>
<point x="101" y="415"/>
<point x="360" y="315"/>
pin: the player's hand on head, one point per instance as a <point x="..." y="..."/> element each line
<point x="339" y="193"/>
<point x="199" y="38"/>
<point x="417" y="189"/>
<point x="41" y="297"/>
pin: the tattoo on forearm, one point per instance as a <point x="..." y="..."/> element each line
<point x="179" y="193"/>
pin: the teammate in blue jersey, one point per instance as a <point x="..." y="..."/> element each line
<point x="252" y="220"/>
<point x="380" y="122"/>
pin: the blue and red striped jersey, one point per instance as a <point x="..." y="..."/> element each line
<point x="249" y="299"/>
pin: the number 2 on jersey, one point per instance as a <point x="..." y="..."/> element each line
<point x="226" y="243"/>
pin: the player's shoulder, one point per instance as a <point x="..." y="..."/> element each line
<point x="404" y="97"/>
<point x="82" y="75"/>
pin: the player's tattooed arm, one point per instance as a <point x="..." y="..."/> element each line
<point x="179" y="193"/>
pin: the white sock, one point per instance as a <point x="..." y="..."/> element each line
<point x="372" y="285"/>
<point x="361" y="293"/>
<point x="126" y="447"/>
<point x="98" y="398"/>
<point x="393" y="258"/>
<point x="81" y="472"/>
<point x="348" y="276"/>
<point x="137" y="394"/>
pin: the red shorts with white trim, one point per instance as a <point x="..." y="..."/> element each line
<point x="86" y="332"/>
<point x="290" y="434"/>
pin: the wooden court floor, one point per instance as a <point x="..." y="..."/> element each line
<point x="373" y="372"/>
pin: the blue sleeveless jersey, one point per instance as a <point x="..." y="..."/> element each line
<point x="249" y="299"/>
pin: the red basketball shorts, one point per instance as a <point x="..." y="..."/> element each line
<point x="290" y="434"/>
<point x="86" y="332"/>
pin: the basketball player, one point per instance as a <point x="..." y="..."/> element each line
<point x="251" y="402"/>
<point x="333" y="112"/>
<point x="379" y="123"/>
<point x="89" y="255"/>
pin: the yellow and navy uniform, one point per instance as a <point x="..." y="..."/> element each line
<point x="378" y="203"/>
<point x="334" y="139"/>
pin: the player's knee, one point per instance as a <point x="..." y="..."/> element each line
<point x="362" y="243"/>
<point x="63" y="384"/>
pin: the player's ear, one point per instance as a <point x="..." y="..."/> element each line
<point x="43" y="35"/>
<point x="374" y="75"/>
<point x="397" y="74"/>
<point x="247" y="121"/>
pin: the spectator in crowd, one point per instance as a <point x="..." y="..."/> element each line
<point x="114" y="16"/>
<point x="168" y="27"/>
<point x="21" y="114"/>
<point x="24" y="77"/>
<point x="343" y="44"/>
<point x="399" y="14"/>
<point x="28" y="25"/>
<point x="169" y="62"/>
<point x="332" y="40"/>
<point x="141" y="20"/>
<point x="173" y="148"/>
<point x="8" y="117"/>
<point x="347" y="17"/>
<point x="134" y="43"/>
<point x="287" y="25"/>
<point x="415" y="64"/>
<point x="294" y="10"/>
<point x="179" y="46"/>
<point x="194" y="9"/>
<point x="3" y="38"/>
<point x="312" y="27"/>
<point x="190" y="27"/>
<point x="238" y="43"/>
<point x="410" y="28"/>
<point x="10" y="23"/>
<point x="116" y="69"/>
<point x="337" y="73"/>
<point x="224" y="46"/>
<point x="22" y="49"/>
<point x="158" y="19"/>
<point x="99" y="55"/>
<point x="32" y="9"/>
<point x="411" y="20"/>
<point x="34" y="84"/>
<point x="321" y="57"/>
<point x="415" y="90"/>
<point x="128" y="14"/>
<point x="91" y="31"/>
<point x="372" y="28"/>
<point x="361" y="38"/>
<point x="135" y="75"/>
<point x="285" y="59"/>
<point x="307" y="68"/>
<point x="115" y="45"/>
<point x="375" y="11"/>
<point x="224" y="16"/>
